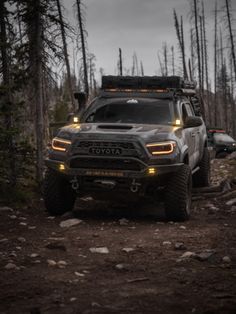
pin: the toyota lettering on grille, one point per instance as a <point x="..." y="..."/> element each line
<point x="105" y="151"/>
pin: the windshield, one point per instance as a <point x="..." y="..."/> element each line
<point x="223" y="138"/>
<point x="133" y="111"/>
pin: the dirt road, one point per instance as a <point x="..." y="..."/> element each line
<point x="123" y="259"/>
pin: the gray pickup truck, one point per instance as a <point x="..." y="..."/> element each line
<point x="142" y="137"/>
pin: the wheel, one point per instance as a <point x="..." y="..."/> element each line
<point x="58" y="195"/>
<point x="178" y="195"/>
<point x="202" y="177"/>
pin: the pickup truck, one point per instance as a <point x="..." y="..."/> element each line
<point x="141" y="138"/>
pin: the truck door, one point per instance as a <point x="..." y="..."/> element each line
<point x="190" y="135"/>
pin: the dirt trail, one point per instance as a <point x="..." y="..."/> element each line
<point x="143" y="264"/>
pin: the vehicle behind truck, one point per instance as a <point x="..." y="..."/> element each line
<point x="141" y="138"/>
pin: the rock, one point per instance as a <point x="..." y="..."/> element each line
<point x="123" y="221"/>
<point x="50" y="217"/>
<point x="87" y="198"/>
<point x="166" y="243"/>
<point x="122" y="267"/>
<point x="6" y="209"/>
<point x="23" y="224"/>
<point x="51" y="262"/>
<point x="68" y="215"/>
<point x="33" y="255"/>
<point x="226" y="259"/>
<point x="182" y="227"/>
<point x="12" y="216"/>
<point x="62" y="264"/>
<point x="32" y="227"/>
<point x="205" y="255"/>
<point x="128" y="249"/>
<point x="70" y="222"/>
<point x="21" y="239"/>
<point x="180" y="246"/>
<point x="73" y="299"/>
<point x="101" y="250"/>
<point x="79" y="274"/>
<point x="56" y="246"/>
<point x="3" y="240"/>
<point x="10" y="266"/>
<point x="231" y="202"/>
<point x="187" y="255"/>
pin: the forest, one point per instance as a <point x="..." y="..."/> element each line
<point x="45" y="59"/>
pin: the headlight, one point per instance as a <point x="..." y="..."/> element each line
<point x="60" y="144"/>
<point x="162" y="148"/>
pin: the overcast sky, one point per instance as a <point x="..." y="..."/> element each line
<point x="137" y="25"/>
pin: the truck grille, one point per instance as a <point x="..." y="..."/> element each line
<point x="106" y="163"/>
<point x="89" y="144"/>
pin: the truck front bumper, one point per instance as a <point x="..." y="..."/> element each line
<point x="148" y="170"/>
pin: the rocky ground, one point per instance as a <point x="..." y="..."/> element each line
<point x="122" y="259"/>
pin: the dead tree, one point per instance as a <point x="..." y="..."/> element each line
<point x="7" y="93"/>
<point x="141" y="68"/>
<point x="198" y="45"/>
<point x="35" y="35"/>
<point x="215" y="65"/>
<point x="202" y="53"/>
<point x="120" y="62"/>
<point x="206" y="62"/>
<point x="65" y="52"/>
<point x="231" y="35"/>
<point x="165" y="55"/>
<point x="82" y="40"/>
<point x="180" y="37"/>
<point x="227" y="3"/>
<point x="173" y="59"/>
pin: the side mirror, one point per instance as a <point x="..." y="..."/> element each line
<point x="191" y="122"/>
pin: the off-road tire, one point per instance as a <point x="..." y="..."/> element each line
<point x="178" y="195"/>
<point x="202" y="177"/>
<point x="58" y="195"/>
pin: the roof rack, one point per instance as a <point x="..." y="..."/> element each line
<point x="145" y="83"/>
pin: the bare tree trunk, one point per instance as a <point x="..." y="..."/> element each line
<point x="120" y="62"/>
<point x="192" y="53"/>
<point x="165" y="58"/>
<point x="180" y="36"/>
<point x="161" y="65"/>
<point x="65" y="51"/>
<point x="206" y="63"/>
<point x="215" y="66"/>
<point x="190" y="70"/>
<point x="35" y="33"/>
<point x="202" y="53"/>
<point x="141" y="68"/>
<point x="233" y="60"/>
<point x="173" y="59"/>
<point x="198" y="45"/>
<point x="81" y="29"/>
<point x="5" y="64"/>
<point x="231" y="36"/>
<point x="183" y="49"/>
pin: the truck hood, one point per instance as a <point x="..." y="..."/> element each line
<point x="122" y="131"/>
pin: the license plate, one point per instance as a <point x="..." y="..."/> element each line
<point x="104" y="173"/>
